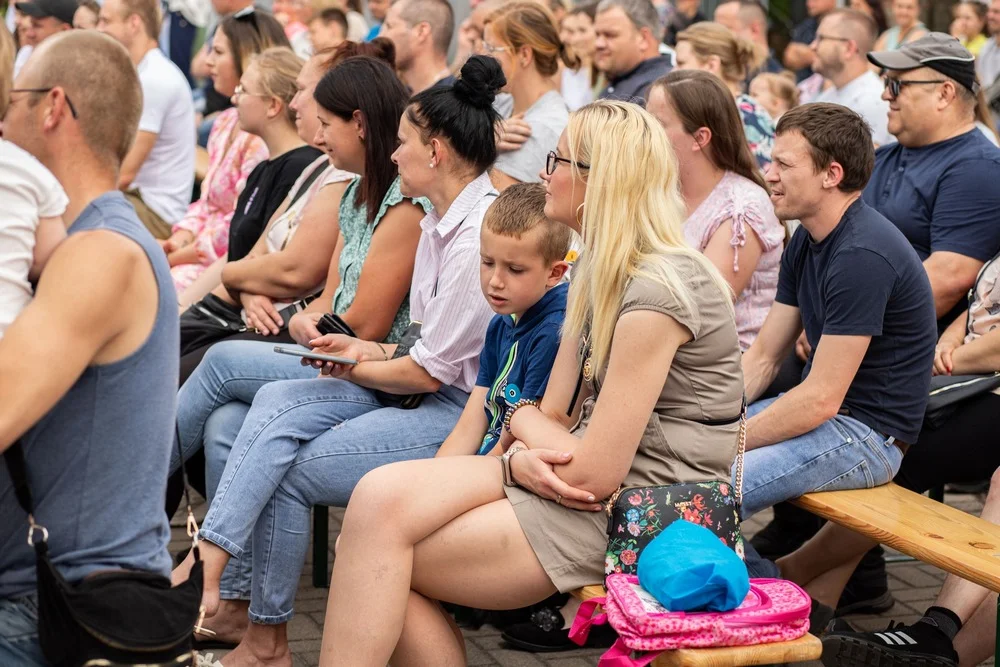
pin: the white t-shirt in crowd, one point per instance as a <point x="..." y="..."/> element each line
<point x="22" y="57"/>
<point x="28" y="192"/>
<point x="548" y="117"/>
<point x="576" y="89"/>
<point x="864" y="95"/>
<point x="166" y="178"/>
<point x="988" y="62"/>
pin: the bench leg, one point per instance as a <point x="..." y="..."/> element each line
<point x="321" y="546"/>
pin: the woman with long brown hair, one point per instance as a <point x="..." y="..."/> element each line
<point x="729" y="214"/>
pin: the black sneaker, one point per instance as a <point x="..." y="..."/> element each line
<point x="820" y="616"/>
<point x="788" y="531"/>
<point x="867" y="591"/>
<point x="545" y="634"/>
<point x="917" y="645"/>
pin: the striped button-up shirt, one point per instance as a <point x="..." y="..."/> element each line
<point x="445" y="295"/>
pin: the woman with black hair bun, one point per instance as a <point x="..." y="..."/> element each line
<point x="307" y="442"/>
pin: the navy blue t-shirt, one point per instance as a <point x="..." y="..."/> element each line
<point x="864" y="279"/>
<point x="517" y="358"/>
<point x="943" y="197"/>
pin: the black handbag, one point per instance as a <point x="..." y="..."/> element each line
<point x="121" y="617"/>
<point x="334" y="324"/>
<point x="209" y="321"/>
<point x="637" y="515"/>
<point x="949" y="391"/>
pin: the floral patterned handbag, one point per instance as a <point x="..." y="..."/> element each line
<point x="638" y="514"/>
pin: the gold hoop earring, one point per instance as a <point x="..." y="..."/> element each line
<point x="579" y="218"/>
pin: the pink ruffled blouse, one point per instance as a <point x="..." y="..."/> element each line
<point x="747" y="204"/>
<point x="232" y="155"/>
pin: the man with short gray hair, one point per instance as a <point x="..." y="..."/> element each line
<point x="421" y="32"/>
<point x="627" y="48"/>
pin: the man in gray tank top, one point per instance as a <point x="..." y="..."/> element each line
<point x="88" y="371"/>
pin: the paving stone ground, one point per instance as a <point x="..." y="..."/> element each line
<point x="913" y="584"/>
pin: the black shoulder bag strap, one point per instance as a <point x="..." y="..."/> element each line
<point x="14" y="457"/>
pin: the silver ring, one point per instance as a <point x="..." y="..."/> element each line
<point x="558" y="499"/>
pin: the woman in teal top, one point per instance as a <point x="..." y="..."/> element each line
<point x="357" y="236"/>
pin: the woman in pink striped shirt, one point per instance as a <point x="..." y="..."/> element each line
<point x="308" y="441"/>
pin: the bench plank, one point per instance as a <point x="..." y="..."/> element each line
<point x="807" y="647"/>
<point x="925" y="529"/>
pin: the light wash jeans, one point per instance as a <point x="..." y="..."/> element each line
<point x="305" y="443"/>
<point x="19" y="632"/>
<point x="211" y="408"/>
<point x="840" y="454"/>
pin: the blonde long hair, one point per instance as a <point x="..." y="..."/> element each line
<point x="631" y="219"/>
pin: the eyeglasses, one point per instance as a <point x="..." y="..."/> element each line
<point x="894" y="86"/>
<point x="487" y="48"/>
<point x="240" y="92"/>
<point x="41" y="91"/>
<point x="820" y="37"/>
<point x="552" y="159"/>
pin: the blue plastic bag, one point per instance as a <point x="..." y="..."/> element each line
<point x="687" y="568"/>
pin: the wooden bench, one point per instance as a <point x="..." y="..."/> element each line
<point x="925" y="529"/>
<point x="807" y="647"/>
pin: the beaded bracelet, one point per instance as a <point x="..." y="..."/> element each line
<point x="514" y="408"/>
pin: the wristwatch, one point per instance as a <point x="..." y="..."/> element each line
<point x="508" y="476"/>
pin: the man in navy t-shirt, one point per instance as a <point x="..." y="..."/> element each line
<point x="938" y="185"/>
<point x="852" y="281"/>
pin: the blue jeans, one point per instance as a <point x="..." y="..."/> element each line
<point x="840" y="454"/>
<point x="19" y="632"/>
<point x="305" y="443"/>
<point x="211" y="408"/>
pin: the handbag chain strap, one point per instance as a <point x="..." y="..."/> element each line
<point x="740" y="451"/>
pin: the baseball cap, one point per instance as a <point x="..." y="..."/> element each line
<point x="62" y="10"/>
<point x="936" y="50"/>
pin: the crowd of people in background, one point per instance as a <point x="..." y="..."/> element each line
<point x="576" y="239"/>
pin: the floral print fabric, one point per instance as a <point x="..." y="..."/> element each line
<point x="357" y="241"/>
<point x="759" y="129"/>
<point x="639" y="515"/>
<point x="232" y="155"/>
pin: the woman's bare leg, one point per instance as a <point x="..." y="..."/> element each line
<point x="413" y="503"/>
<point x="425" y="625"/>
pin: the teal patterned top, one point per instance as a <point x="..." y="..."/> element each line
<point x="357" y="240"/>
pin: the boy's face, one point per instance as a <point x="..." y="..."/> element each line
<point x="512" y="272"/>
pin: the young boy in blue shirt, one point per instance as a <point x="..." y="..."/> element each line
<point x="521" y="275"/>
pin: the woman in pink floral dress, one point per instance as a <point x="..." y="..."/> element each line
<point x="730" y="215"/>
<point x="202" y="236"/>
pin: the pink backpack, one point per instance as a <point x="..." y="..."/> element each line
<point x="773" y="611"/>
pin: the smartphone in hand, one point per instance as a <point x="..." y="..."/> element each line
<point x="316" y="356"/>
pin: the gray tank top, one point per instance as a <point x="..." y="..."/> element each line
<point x="97" y="462"/>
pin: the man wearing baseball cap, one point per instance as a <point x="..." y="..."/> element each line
<point x="48" y="17"/>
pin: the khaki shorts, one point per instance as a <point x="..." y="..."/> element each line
<point x="153" y="222"/>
